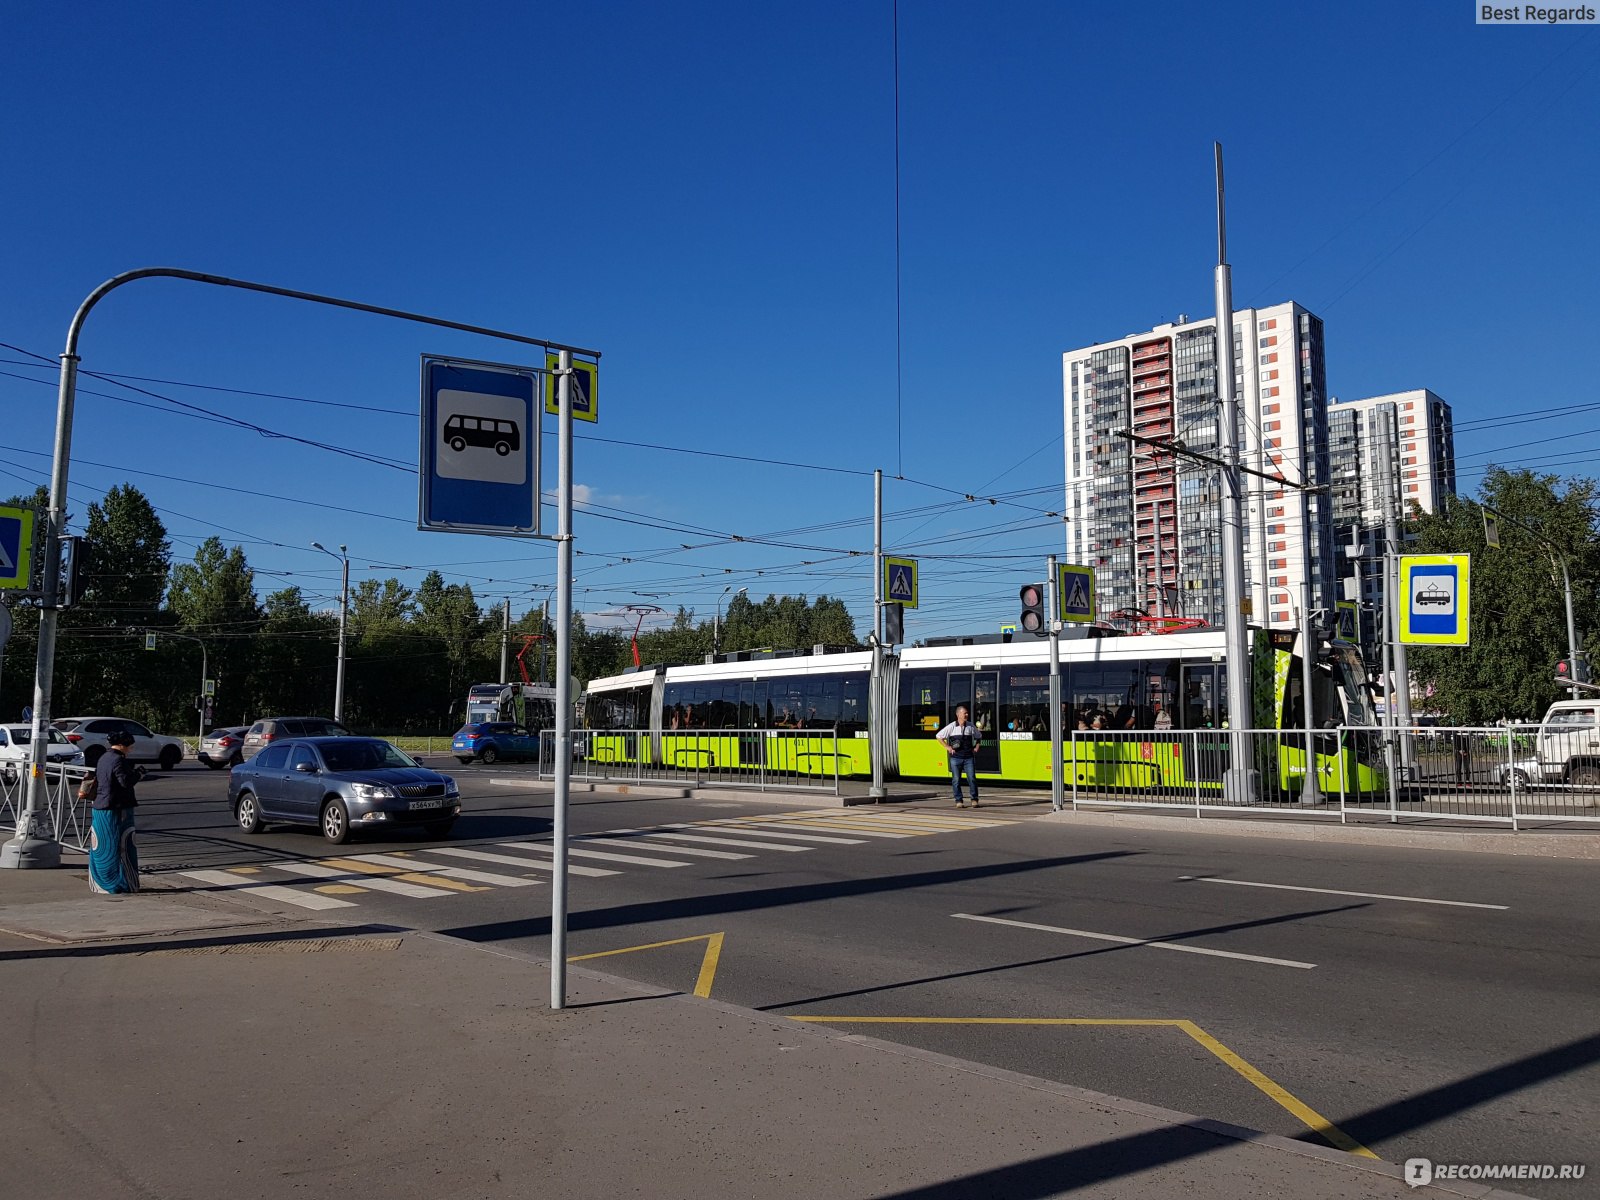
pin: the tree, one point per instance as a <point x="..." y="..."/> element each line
<point x="448" y="616"/>
<point x="1518" y="607"/>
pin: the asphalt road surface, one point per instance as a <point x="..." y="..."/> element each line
<point x="1414" y="1003"/>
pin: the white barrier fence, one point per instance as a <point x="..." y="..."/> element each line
<point x="68" y="815"/>
<point x="788" y="760"/>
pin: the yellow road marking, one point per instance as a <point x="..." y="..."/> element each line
<point x="366" y="868"/>
<point x="1313" y="1120"/>
<point x="245" y="870"/>
<point x="708" y="964"/>
<point x="339" y="889"/>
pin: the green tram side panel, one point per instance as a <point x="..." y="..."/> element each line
<point x="615" y="747"/>
<point x="792" y="755"/>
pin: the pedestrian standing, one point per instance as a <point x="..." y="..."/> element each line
<point x="961" y="739"/>
<point x="113" y="858"/>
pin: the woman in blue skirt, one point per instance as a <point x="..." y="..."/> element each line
<point x="113" y="858"/>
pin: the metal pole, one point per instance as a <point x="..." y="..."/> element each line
<point x="34" y="844"/>
<point x="1401" y="683"/>
<point x="202" y="698"/>
<point x="544" y="631"/>
<point x="1572" y="635"/>
<point x="505" y="642"/>
<point x="1308" y="650"/>
<point x="344" y="614"/>
<point x="1057" y="786"/>
<point x="563" y="780"/>
<point x="879" y="718"/>
<point x="1239" y="785"/>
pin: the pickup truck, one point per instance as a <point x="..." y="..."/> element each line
<point x="1567" y="746"/>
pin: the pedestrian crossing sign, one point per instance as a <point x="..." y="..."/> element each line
<point x="585" y="389"/>
<point x="1349" y="628"/>
<point x="900" y="581"/>
<point x="1075" y="593"/>
<point x="16" y="548"/>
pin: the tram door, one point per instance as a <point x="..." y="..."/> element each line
<point x="1203" y="706"/>
<point x="980" y="692"/>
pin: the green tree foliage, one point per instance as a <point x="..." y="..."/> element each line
<point x="1519" y="626"/>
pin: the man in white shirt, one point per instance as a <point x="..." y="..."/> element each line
<point x="960" y="739"/>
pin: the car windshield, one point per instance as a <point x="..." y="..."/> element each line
<point x="364" y="756"/>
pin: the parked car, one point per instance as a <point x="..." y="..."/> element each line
<point x="16" y="746"/>
<point x="490" y="741"/>
<point x="341" y="784"/>
<point x="271" y="729"/>
<point x="1566" y="746"/>
<point x="89" y="734"/>
<point x="222" y="747"/>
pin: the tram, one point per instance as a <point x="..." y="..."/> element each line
<point x="1161" y="700"/>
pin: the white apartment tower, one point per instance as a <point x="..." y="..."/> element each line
<point x="1149" y="520"/>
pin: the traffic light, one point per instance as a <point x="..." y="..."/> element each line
<point x="894" y="624"/>
<point x="1563" y="671"/>
<point x="1032" y="619"/>
<point x="74" y="578"/>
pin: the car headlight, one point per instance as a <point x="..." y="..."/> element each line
<point x="452" y="790"/>
<point x="374" y="791"/>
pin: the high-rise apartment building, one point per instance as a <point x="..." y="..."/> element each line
<point x="1420" y="431"/>
<point x="1149" y="520"/>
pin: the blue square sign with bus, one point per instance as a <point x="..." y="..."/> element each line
<point x="1435" y="606"/>
<point x="479" y="460"/>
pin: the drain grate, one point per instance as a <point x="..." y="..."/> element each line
<point x="298" y="946"/>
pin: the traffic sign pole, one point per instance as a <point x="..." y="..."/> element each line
<point x="1057" y="784"/>
<point x="563" y="763"/>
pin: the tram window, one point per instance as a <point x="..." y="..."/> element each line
<point x="1024" y="702"/>
<point x="921" y="703"/>
<point x="1161" y="695"/>
<point x="853" y="705"/>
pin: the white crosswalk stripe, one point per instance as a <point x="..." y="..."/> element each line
<point x="638" y="839"/>
<point x="244" y="883"/>
<point x="376" y="883"/>
<point x="602" y="854"/>
<point x="540" y="864"/>
<point x="416" y="864"/>
<point x="409" y="873"/>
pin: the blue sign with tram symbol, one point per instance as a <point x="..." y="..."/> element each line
<point x="479" y="461"/>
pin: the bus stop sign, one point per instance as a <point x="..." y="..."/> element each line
<point x="479" y="454"/>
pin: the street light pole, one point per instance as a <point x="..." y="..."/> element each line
<point x="203" y="676"/>
<point x="344" y="613"/>
<point x="716" y="624"/>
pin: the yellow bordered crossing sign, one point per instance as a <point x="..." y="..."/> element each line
<point x="1075" y="592"/>
<point x="16" y="548"/>
<point x="1436" y="603"/>
<point x="900" y="581"/>
<point x="585" y="389"/>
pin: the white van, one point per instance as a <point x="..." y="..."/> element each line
<point x="1567" y="749"/>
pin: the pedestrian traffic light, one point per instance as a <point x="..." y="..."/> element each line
<point x="1032" y="619"/>
<point x="894" y="624"/>
<point x="74" y="578"/>
<point x="1563" y="671"/>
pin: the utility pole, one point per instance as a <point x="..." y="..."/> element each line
<point x="1057" y="783"/>
<point x="344" y="613"/>
<point x="505" y="643"/>
<point x="1240" y="781"/>
<point x="1400" y="684"/>
<point x="879" y="712"/>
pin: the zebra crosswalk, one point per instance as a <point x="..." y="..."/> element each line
<point x="435" y="872"/>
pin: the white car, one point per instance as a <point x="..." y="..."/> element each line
<point x="16" y="743"/>
<point x="91" y="734"/>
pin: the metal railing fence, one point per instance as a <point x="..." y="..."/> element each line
<point x="69" y="816"/>
<point x="1510" y="774"/>
<point x="801" y="760"/>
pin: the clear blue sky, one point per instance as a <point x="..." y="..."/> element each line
<point x="706" y="192"/>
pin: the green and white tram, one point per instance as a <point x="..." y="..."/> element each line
<point x="1154" y="695"/>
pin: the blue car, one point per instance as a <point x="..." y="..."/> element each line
<point x="490" y="741"/>
<point x="340" y="785"/>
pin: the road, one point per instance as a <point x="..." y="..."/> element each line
<point x="1415" y="1003"/>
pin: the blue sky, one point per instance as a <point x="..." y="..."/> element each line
<point x="706" y="192"/>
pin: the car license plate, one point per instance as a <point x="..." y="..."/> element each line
<point x="416" y="804"/>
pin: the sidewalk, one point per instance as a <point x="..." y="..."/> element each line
<point x="211" y="1049"/>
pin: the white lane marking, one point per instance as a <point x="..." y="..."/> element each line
<point x="537" y="864"/>
<point x="1153" y="943"/>
<point x="719" y="841"/>
<point x="546" y="847"/>
<point x="240" y="883"/>
<point x="862" y="830"/>
<point x="625" y="842"/>
<point x="425" y="867"/>
<point x="768" y="832"/>
<point x="376" y="883"/>
<point x="1289" y="887"/>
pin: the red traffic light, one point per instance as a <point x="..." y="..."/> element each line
<point x="1032" y="619"/>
